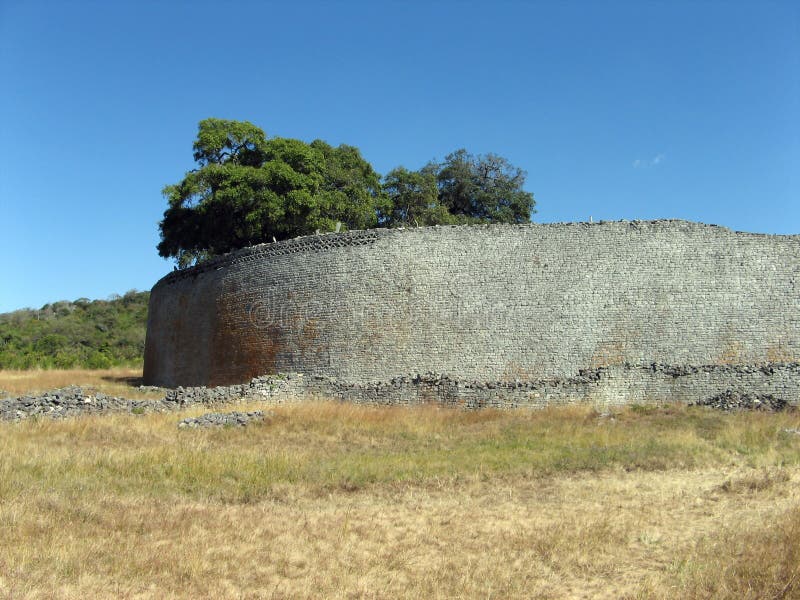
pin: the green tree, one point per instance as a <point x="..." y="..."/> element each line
<point x="464" y="188"/>
<point x="414" y="199"/>
<point x="249" y="189"/>
<point x="483" y="188"/>
<point x="221" y="141"/>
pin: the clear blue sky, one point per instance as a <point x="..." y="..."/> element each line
<point x="617" y="110"/>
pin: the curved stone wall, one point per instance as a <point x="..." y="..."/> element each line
<point x="482" y="303"/>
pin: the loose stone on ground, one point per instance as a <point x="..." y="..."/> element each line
<point x="231" y="419"/>
<point x="72" y="401"/>
<point x="429" y="388"/>
<point x="731" y="400"/>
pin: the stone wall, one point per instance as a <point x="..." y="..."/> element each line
<point x="499" y="303"/>
<point x="601" y="387"/>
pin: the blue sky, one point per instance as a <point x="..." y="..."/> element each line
<point x="617" y="110"/>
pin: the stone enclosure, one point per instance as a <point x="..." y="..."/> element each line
<point x="494" y="315"/>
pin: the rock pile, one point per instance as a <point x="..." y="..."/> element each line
<point x="69" y="402"/>
<point x="430" y="387"/>
<point x="731" y="400"/>
<point x="73" y="400"/>
<point x="231" y="419"/>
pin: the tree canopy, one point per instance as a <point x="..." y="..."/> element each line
<point x="413" y="199"/>
<point x="248" y="189"/>
<point x="483" y="189"/>
<point x="464" y="188"/>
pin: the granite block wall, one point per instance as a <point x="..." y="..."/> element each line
<point x="495" y="303"/>
<point x="729" y="387"/>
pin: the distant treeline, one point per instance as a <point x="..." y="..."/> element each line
<point x="91" y="334"/>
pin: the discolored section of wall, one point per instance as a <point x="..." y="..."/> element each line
<point x="480" y="303"/>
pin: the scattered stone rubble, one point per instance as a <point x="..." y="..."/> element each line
<point x="731" y="400"/>
<point x="68" y="402"/>
<point x="72" y="401"/>
<point x="587" y="386"/>
<point x="231" y="419"/>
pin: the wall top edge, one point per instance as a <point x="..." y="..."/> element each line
<point x="327" y="240"/>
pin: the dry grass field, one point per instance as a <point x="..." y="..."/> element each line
<point x="118" y="381"/>
<point x="328" y="500"/>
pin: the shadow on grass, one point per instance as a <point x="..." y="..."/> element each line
<point x="124" y="379"/>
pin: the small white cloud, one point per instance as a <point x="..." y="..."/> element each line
<point x="647" y="163"/>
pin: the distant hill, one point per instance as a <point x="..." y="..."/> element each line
<point x="93" y="334"/>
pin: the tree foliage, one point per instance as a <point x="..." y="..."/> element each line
<point x="248" y="189"/>
<point x="414" y="199"/>
<point x="464" y="188"/>
<point x="81" y="334"/>
<point x="483" y="189"/>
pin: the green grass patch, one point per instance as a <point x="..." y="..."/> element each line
<point x="330" y="446"/>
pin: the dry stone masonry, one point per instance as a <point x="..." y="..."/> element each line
<point x="496" y="315"/>
<point x="73" y="401"/>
